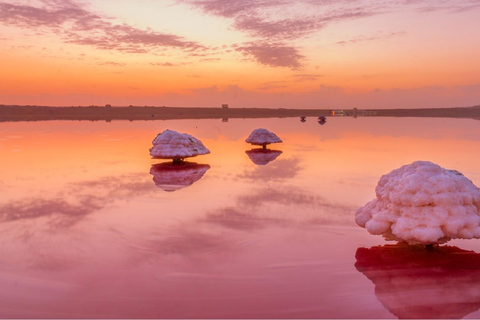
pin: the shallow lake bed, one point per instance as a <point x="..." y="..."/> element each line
<point x="92" y="228"/>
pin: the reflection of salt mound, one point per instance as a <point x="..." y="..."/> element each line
<point x="262" y="156"/>
<point x="423" y="203"/>
<point x="412" y="282"/>
<point x="171" y="176"/>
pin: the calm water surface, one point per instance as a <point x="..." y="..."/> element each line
<point x="91" y="227"/>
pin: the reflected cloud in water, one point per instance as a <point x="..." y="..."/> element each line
<point x="36" y="208"/>
<point x="187" y="242"/>
<point x="412" y="282"/>
<point x="233" y="218"/>
<point x="278" y="170"/>
<point x="281" y="207"/>
<point x="261" y="156"/>
<point x="175" y="176"/>
<point x="76" y="202"/>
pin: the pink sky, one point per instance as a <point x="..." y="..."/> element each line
<point x="266" y="53"/>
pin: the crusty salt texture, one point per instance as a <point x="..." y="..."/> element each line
<point x="423" y="203"/>
<point x="173" y="145"/>
<point x="262" y="137"/>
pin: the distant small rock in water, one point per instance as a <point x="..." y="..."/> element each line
<point x="423" y="203"/>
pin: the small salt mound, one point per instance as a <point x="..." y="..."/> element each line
<point x="423" y="203"/>
<point x="173" y="145"/>
<point x="262" y="137"/>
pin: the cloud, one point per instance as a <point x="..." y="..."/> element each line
<point x="306" y="77"/>
<point x="274" y="22"/>
<point x="111" y="63"/>
<point x="272" y="86"/>
<point x="272" y="54"/>
<point x="451" y="6"/>
<point x="371" y="38"/>
<point x="280" y="169"/>
<point x="75" y="24"/>
<point x="281" y="20"/>
<point x="168" y="64"/>
<point x="36" y="208"/>
<point x="233" y="218"/>
<point x="280" y="206"/>
<point x="233" y="8"/>
<point x="23" y="15"/>
<point x="281" y="29"/>
<point x="85" y="197"/>
<point x="285" y="83"/>
<point x="187" y="242"/>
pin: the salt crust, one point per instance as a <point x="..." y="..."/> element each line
<point x="423" y="203"/>
<point x="262" y="137"/>
<point x="173" y="145"/>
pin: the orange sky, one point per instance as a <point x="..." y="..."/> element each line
<point x="273" y="53"/>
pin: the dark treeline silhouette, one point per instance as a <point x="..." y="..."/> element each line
<point x="108" y="113"/>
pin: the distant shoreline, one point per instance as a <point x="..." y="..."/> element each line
<point x="15" y="113"/>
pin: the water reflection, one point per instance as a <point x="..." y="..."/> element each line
<point x="261" y="156"/>
<point x="66" y="213"/>
<point x="282" y="169"/>
<point x="412" y="282"/>
<point x="75" y="202"/>
<point x="174" y="176"/>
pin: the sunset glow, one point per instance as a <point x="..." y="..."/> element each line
<point x="272" y="53"/>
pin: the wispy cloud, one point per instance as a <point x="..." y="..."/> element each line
<point x="371" y="38"/>
<point x="272" y="54"/>
<point x="111" y="63"/>
<point x="451" y="6"/>
<point x="233" y="8"/>
<point x="306" y="77"/>
<point x="75" y="24"/>
<point x="280" y="29"/>
<point x="275" y="24"/>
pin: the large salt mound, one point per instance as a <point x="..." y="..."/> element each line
<point x="173" y="145"/>
<point x="423" y="203"/>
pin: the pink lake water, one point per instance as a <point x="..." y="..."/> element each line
<point x="92" y="227"/>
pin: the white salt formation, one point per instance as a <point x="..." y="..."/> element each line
<point x="262" y="137"/>
<point x="423" y="203"/>
<point x="177" y="146"/>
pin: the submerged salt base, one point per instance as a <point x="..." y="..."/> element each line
<point x="423" y="203"/>
<point x="177" y="146"/>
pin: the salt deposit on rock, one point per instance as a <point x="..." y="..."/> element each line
<point x="177" y="146"/>
<point x="262" y="137"/>
<point x="423" y="203"/>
